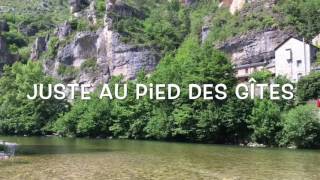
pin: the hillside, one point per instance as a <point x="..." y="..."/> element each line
<point x="134" y="25"/>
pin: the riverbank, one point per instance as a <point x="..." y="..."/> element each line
<point x="246" y="144"/>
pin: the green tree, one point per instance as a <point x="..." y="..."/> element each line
<point x="265" y="122"/>
<point x="263" y="76"/>
<point x="301" y="127"/>
<point x="308" y="87"/>
<point x="21" y="116"/>
<point x="284" y="104"/>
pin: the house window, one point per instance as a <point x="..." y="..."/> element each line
<point x="289" y="59"/>
<point x="299" y="62"/>
<point x="299" y="75"/>
<point x="254" y="69"/>
<point x="247" y="70"/>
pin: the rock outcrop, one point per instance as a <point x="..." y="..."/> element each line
<point x="4" y="26"/>
<point x="84" y="8"/>
<point x="6" y="58"/>
<point x="258" y="6"/>
<point x="233" y="5"/>
<point x="63" y="30"/>
<point x="82" y="48"/>
<point x="78" y="5"/>
<point x="28" y="29"/>
<point x="39" y="46"/>
<point x="255" y="46"/>
<point x="124" y="59"/>
<point x="105" y="51"/>
<point x="123" y="10"/>
<point x="205" y="30"/>
<point x="255" y="5"/>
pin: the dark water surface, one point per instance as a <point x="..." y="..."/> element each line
<point x="63" y="158"/>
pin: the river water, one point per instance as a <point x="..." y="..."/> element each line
<point x="66" y="158"/>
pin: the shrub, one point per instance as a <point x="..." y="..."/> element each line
<point x="15" y="38"/>
<point x="79" y="24"/>
<point x="89" y="65"/>
<point x="309" y="87"/>
<point x="265" y="122"/>
<point x="101" y="6"/>
<point x="67" y="71"/>
<point x="262" y="76"/>
<point x="21" y="116"/>
<point x="282" y="103"/>
<point x="301" y="127"/>
<point x="52" y="47"/>
<point x="24" y="53"/>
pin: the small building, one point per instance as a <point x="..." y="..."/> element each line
<point x="293" y="58"/>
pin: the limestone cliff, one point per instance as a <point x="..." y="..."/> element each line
<point x="111" y="56"/>
<point x="254" y="46"/>
<point x="255" y="5"/>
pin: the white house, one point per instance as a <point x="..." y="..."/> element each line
<point x="293" y="58"/>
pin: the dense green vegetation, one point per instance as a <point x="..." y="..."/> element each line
<point x="301" y="127"/>
<point x="164" y="32"/>
<point x="304" y="15"/>
<point x="263" y="76"/>
<point x="23" y="17"/>
<point x="229" y="121"/>
<point x="21" y="116"/>
<point x="308" y="87"/>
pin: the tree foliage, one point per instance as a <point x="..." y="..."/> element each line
<point x="304" y="15"/>
<point x="21" y="116"/>
<point x="265" y="121"/>
<point x="301" y="127"/>
<point x="308" y="87"/>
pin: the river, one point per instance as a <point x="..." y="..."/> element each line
<point x="66" y="158"/>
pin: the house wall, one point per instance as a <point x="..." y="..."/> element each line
<point x="246" y="72"/>
<point x="300" y="63"/>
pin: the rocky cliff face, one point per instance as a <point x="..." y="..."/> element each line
<point x="39" y="46"/>
<point x="255" y="5"/>
<point x="5" y="56"/>
<point x="111" y="57"/>
<point x="4" y="26"/>
<point x="255" y="46"/>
